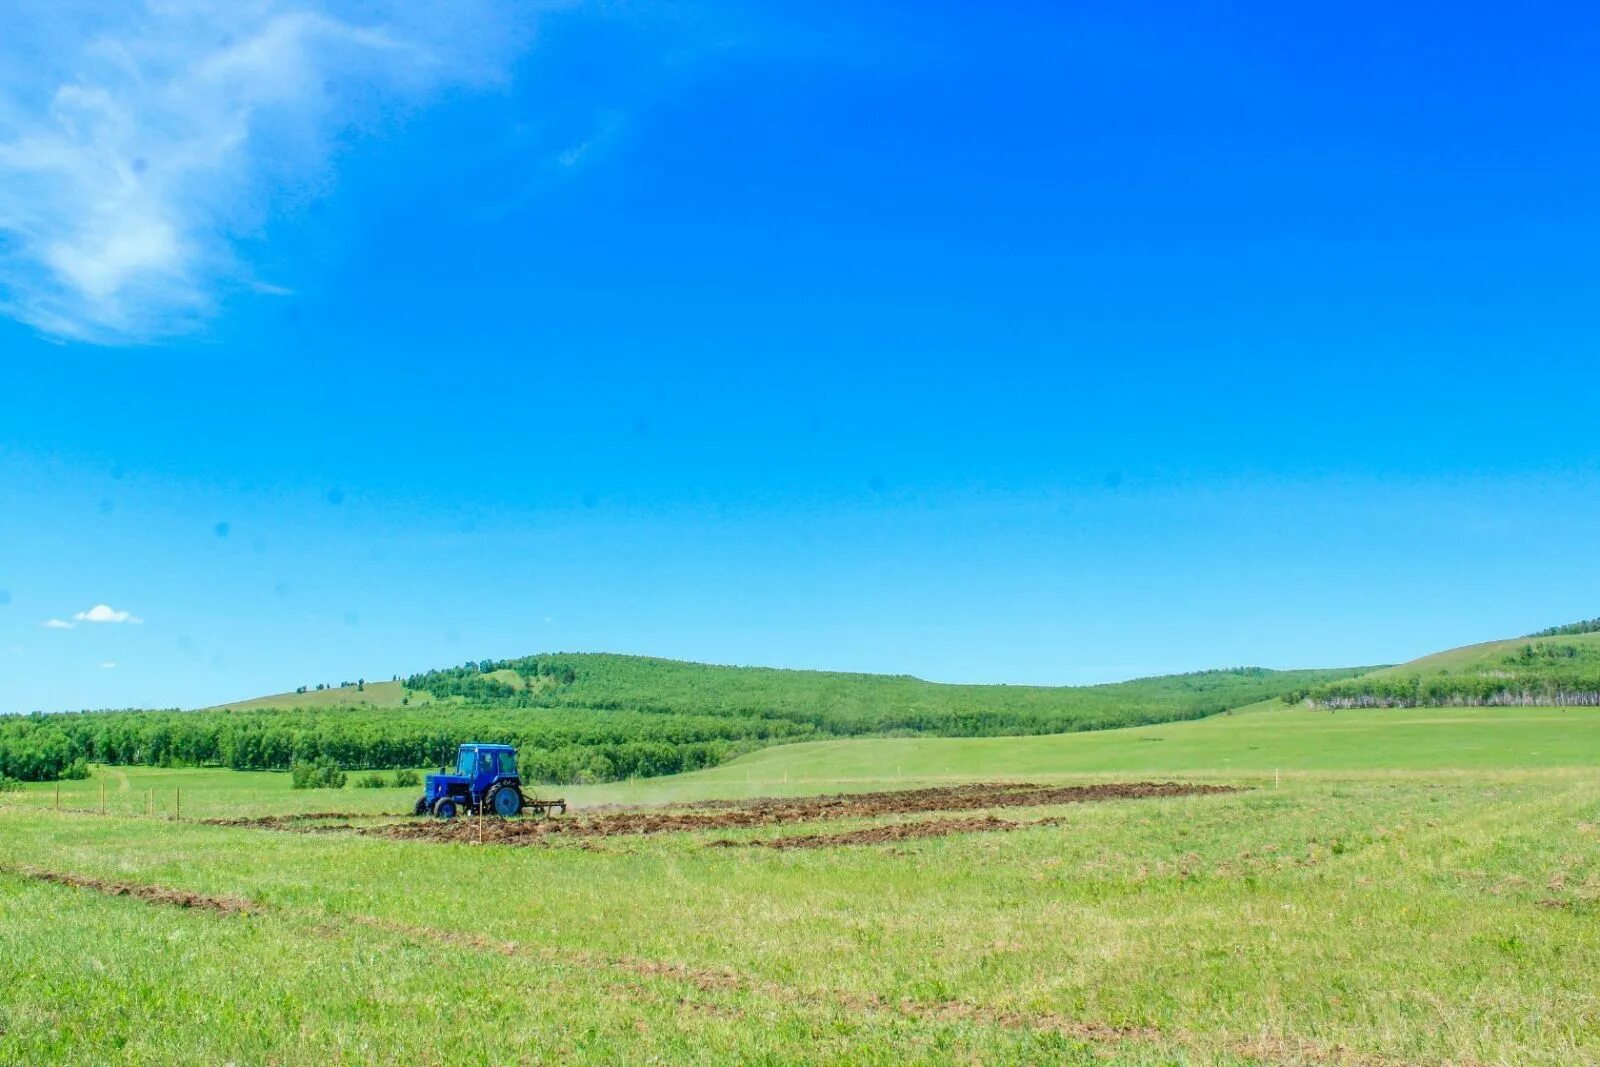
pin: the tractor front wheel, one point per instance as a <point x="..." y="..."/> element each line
<point x="506" y="801"/>
<point x="444" y="808"/>
<point x="420" y="807"/>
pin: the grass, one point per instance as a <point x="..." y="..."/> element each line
<point x="1249" y="744"/>
<point x="1560" y="669"/>
<point x="374" y="695"/>
<point x="1419" y="886"/>
<point x="1483" y="656"/>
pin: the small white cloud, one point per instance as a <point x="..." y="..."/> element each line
<point x="105" y="613"/>
<point x="56" y="624"/>
<point x="108" y="665"/>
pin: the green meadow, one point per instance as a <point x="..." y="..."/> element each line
<point x="1389" y="886"/>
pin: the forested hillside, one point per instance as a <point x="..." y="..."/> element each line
<point x="1558" y="667"/>
<point x="596" y="717"/>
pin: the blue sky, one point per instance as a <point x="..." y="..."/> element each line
<point x="1011" y="343"/>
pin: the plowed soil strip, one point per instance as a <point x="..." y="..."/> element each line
<point x="293" y="819"/>
<point x="150" y="894"/>
<point x="971" y="797"/>
<point x="781" y="811"/>
<point x="880" y="835"/>
<point x="1266" y="1049"/>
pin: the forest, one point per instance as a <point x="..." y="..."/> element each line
<point x="597" y="717"/>
<point x="1538" y="673"/>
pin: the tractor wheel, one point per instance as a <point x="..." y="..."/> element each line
<point x="506" y="801"/>
<point x="420" y="807"/>
<point x="444" y="808"/>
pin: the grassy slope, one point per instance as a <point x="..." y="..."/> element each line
<point x="1484" y="656"/>
<point x="1437" y="914"/>
<point x="606" y="681"/>
<point x="376" y="695"/>
<point x="1556" y="669"/>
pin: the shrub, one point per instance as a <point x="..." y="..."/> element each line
<point x="407" y="778"/>
<point x="372" y="780"/>
<point x="323" y="774"/>
<point x="9" y="785"/>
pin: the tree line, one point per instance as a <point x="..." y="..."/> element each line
<point x="1584" y="626"/>
<point x="595" y="718"/>
<point x="1537" y="674"/>
<point x="556" y="745"/>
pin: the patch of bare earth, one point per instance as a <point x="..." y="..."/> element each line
<point x="150" y="894"/>
<point x="297" y="820"/>
<point x="786" y="811"/>
<point x="889" y="833"/>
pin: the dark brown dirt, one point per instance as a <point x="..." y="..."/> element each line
<point x="972" y="797"/>
<point x="780" y="811"/>
<point x="150" y="894"/>
<point x="898" y="831"/>
<point x="299" y="817"/>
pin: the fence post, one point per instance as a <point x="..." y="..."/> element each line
<point x="102" y="798"/>
<point x="58" y="796"/>
<point x="178" y="793"/>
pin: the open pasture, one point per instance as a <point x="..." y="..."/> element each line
<point x="1409" y="913"/>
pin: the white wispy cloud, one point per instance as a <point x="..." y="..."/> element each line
<point x="108" y="665"/>
<point x="134" y="154"/>
<point x="105" y="613"/>
<point x="56" y="624"/>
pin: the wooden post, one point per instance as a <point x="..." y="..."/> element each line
<point x="178" y="796"/>
<point x="58" y="796"/>
<point x="480" y="824"/>
<point x="102" y="798"/>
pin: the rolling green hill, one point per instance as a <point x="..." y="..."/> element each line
<point x="844" y="703"/>
<point x="1555" y="668"/>
<point x="599" y="717"/>
<point x="371" y="695"/>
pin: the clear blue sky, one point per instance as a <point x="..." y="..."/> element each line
<point x="1024" y="342"/>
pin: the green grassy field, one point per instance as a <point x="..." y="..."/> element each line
<point x="1251" y="744"/>
<point x="1392" y="887"/>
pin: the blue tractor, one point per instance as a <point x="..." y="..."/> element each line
<point x="485" y="782"/>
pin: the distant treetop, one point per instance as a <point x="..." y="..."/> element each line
<point x="1587" y="626"/>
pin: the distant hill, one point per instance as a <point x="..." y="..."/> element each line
<point x="595" y="717"/>
<point x="368" y="695"/>
<point x="845" y="703"/>
<point x="1556" y="667"/>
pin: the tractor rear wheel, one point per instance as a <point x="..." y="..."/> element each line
<point x="506" y="801"/>
<point x="444" y="808"/>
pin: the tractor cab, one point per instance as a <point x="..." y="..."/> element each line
<point x="485" y="782"/>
